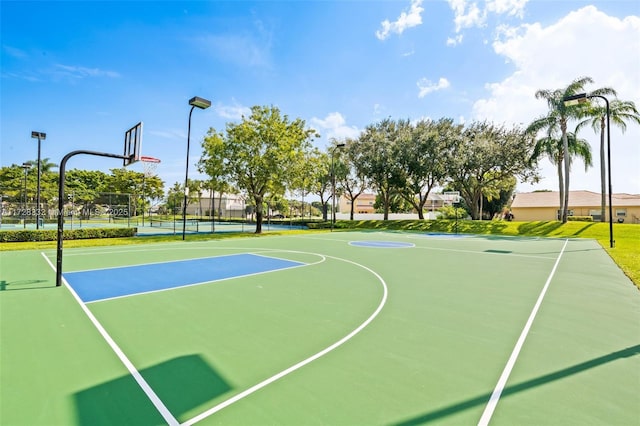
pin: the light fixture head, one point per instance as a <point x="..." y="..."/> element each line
<point x="39" y="135"/>
<point x="26" y="166"/>
<point x="199" y="102"/>
<point x="580" y="98"/>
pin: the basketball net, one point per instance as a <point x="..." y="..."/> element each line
<point x="149" y="166"/>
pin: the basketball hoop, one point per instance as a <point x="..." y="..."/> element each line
<point x="451" y="197"/>
<point x="149" y="165"/>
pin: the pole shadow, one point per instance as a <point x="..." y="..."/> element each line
<point x="519" y="387"/>
<point x="4" y="285"/>
<point x="181" y="383"/>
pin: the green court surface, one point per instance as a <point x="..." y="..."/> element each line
<point x="367" y="328"/>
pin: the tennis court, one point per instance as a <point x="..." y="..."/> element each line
<point x="342" y="328"/>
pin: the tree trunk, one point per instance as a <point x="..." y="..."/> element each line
<point x="259" y="213"/>
<point x="561" y="189"/>
<point x="423" y="201"/>
<point x="385" y="201"/>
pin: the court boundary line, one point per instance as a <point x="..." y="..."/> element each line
<point x="304" y="362"/>
<point x="153" y="397"/>
<point x="502" y="381"/>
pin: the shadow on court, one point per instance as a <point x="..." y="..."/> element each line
<point x="519" y="387"/>
<point x="181" y="383"/>
<point x="21" y="285"/>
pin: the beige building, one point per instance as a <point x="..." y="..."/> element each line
<point x="364" y="203"/>
<point x="531" y="206"/>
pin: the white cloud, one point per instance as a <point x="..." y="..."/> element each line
<point x="467" y="14"/>
<point x="15" y="52"/>
<point x="407" y="19"/>
<point x="454" y="41"/>
<point x="78" y="72"/>
<point x="508" y="7"/>
<point x="234" y="112"/>
<point x="427" y="86"/>
<point x="586" y="42"/>
<point x="334" y="126"/>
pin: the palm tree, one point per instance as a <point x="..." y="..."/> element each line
<point x="556" y="120"/>
<point x="619" y="113"/>
<point x="552" y="148"/>
<point x="45" y="165"/>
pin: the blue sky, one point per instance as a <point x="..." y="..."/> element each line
<point x="86" y="71"/>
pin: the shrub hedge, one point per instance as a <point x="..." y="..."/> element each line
<point x="580" y="218"/>
<point x="72" y="234"/>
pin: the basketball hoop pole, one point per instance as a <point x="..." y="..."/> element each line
<point x="61" y="169"/>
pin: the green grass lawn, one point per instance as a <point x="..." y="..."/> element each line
<point x="626" y="252"/>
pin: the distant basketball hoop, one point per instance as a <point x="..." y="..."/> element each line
<point x="451" y="197"/>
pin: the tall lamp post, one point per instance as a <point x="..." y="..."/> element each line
<point x="40" y="136"/>
<point x="202" y="104"/>
<point x="333" y="185"/>
<point x="581" y="98"/>
<point x="25" y="167"/>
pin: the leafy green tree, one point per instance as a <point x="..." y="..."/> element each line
<point x="620" y="112"/>
<point x="12" y="183"/>
<point x="557" y="119"/>
<point x="397" y="204"/>
<point x="320" y="179"/>
<point x="260" y="154"/>
<point x="486" y="155"/>
<point x="213" y="166"/>
<point x="353" y="181"/>
<point x="175" y="198"/>
<point x="45" y="165"/>
<point x="497" y="196"/>
<point x="304" y="179"/>
<point x="125" y="181"/>
<point x="423" y="158"/>
<point x="378" y="161"/>
<point x="83" y="186"/>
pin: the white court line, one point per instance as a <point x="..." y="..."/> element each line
<point x="495" y="396"/>
<point x="162" y="409"/>
<point x="302" y="363"/>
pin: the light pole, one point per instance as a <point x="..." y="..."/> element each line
<point x="581" y="98"/>
<point x="333" y="185"/>
<point x="72" y="199"/>
<point x="202" y="104"/>
<point x="40" y="136"/>
<point x="25" y="167"/>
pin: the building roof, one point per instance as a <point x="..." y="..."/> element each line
<point x="576" y="199"/>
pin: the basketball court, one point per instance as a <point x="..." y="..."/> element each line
<point x="342" y="328"/>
